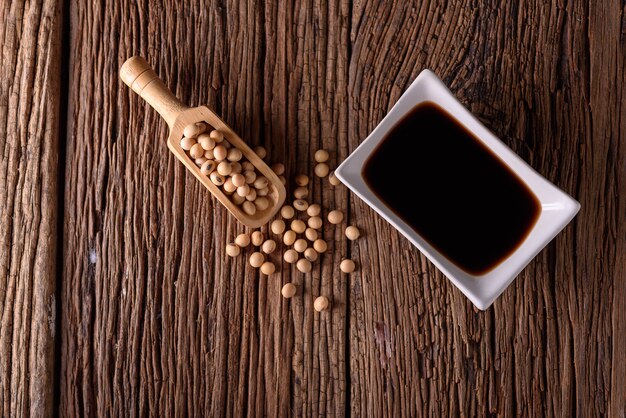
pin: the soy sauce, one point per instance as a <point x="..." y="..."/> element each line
<point x="451" y="189"/>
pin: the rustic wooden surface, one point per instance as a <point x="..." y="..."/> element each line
<point x="154" y="319"/>
<point x="30" y="42"/>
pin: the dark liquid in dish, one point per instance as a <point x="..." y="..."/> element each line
<point x="451" y="189"/>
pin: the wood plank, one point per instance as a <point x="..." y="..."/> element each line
<point x="604" y="189"/>
<point x="549" y="81"/>
<point x="155" y="319"/>
<point x="30" y="40"/>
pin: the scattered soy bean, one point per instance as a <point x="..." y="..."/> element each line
<point x="321" y="303"/>
<point x="321" y="156"/>
<point x="300" y="204"/>
<point x="219" y="152"/>
<point x="310" y="254"/>
<point x="257" y="238"/>
<point x="352" y="232"/>
<point x="232" y="250"/>
<point x="216" y="178"/>
<point x="261" y="182"/>
<point x="278" y="169"/>
<point x="310" y="234"/>
<point x="268" y="246"/>
<point x="315" y="222"/>
<point x="186" y="143"/>
<point x="206" y="141"/>
<point x="297" y="226"/>
<point x="238" y="180"/>
<point x="302" y="180"/>
<point x="300" y="192"/>
<point x="291" y="256"/>
<point x="313" y="210"/>
<point x="243" y="240"/>
<point x="303" y="265"/>
<point x="289" y="238"/>
<point x="287" y="212"/>
<point x="243" y="190"/>
<point x="248" y="207"/>
<point x="196" y="151"/>
<point x="234" y="154"/>
<point x="289" y="290"/>
<point x="300" y="245"/>
<point x="278" y="226"/>
<point x="260" y="151"/>
<point x="224" y="168"/>
<point x="268" y="268"/>
<point x="335" y="217"/>
<point x="261" y="203"/>
<point x="320" y="245"/>
<point x="217" y="136"/>
<point x="282" y="179"/>
<point x="347" y="266"/>
<point x="321" y="170"/>
<point x="257" y="259"/>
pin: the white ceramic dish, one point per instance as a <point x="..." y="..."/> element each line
<point x="557" y="207"/>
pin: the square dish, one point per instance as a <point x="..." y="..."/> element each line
<point x="557" y="207"/>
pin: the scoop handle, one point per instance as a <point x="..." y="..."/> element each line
<point x="137" y="74"/>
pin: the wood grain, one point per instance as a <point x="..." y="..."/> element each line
<point x="156" y="319"/>
<point x="30" y="41"/>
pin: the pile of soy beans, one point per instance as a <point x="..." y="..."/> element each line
<point x="299" y="227"/>
<point x="227" y="168"/>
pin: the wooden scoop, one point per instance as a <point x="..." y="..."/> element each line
<point x="139" y="76"/>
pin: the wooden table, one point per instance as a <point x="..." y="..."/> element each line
<point x="116" y="297"/>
